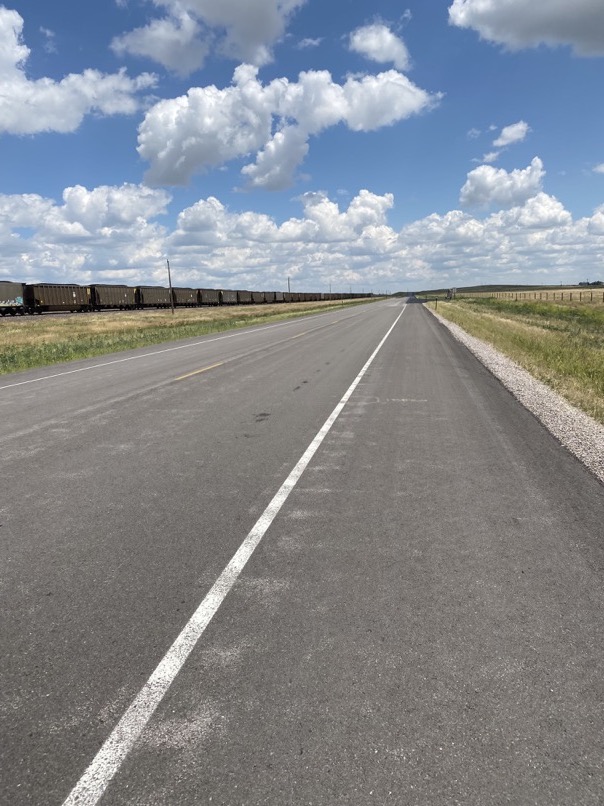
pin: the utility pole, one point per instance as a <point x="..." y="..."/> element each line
<point x="170" y="285"/>
<point x="288" y="287"/>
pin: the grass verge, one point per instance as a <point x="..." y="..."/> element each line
<point x="561" y="344"/>
<point x="40" y="341"/>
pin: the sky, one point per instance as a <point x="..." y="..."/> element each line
<point x="360" y="146"/>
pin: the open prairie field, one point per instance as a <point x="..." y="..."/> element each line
<point x="39" y="341"/>
<point x="558" y="293"/>
<point x="593" y="295"/>
<point x="561" y="342"/>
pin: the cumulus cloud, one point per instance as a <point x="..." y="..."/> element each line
<point x="277" y="162"/>
<point x="599" y="169"/>
<point x="515" y="133"/>
<point x="378" y="43"/>
<point x="111" y="207"/>
<point x="210" y="126"/>
<point x="330" y="244"/>
<point x="239" y="29"/>
<point x="543" y="212"/>
<point x="112" y="234"/>
<point x="174" y="42"/>
<point x="518" y="24"/>
<point x="29" y="107"/>
<point x="98" y="229"/>
<point x="486" y="185"/>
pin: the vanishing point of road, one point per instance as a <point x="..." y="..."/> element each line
<point x="325" y="561"/>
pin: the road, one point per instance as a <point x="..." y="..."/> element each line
<point x="414" y="614"/>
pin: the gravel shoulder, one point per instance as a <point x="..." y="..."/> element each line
<point x="577" y="431"/>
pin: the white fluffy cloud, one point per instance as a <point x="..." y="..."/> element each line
<point x="277" y="162"/>
<point x="537" y="239"/>
<point x="518" y="24"/>
<point x="106" y="207"/>
<point x="515" y="133"/>
<point x="174" y="42"/>
<point x="210" y="126"/>
<point x="108" y="227"/>
<point x="599" y="169"/>
<point x="240" y="29"/>
<point x="378" y="43"/>
<point x="486" y="185"/>
<point x="112" y="234"/>
<point x="28" y="107"/>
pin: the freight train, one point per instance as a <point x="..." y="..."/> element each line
<point x="31" y="298"/>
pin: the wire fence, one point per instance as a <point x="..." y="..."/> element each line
<point x="555" y="296"/>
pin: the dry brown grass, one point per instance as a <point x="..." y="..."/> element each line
<point x="38" y="341"/>
<point x="49" y="328"/>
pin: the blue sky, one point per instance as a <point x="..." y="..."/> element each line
<point x="381" y="145"/>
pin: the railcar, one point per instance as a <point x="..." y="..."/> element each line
<point x="104" y="296"/>
<point x="12" y="298"/>
<point x="185" y="297"/>
<point x="45" y="297"/>
<point x="228" y="297"/>
<point x="25" y="298"/>
<point x="208" y="296"/>
<point x="244" y="297"/>
<point x="152" y="296"/>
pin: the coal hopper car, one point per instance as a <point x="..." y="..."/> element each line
<point x="12" y="298"/>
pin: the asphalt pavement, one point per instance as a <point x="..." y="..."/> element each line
<point x="414" y="614"/>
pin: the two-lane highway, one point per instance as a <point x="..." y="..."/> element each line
<point x="421" y="620"/>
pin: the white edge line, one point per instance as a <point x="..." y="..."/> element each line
<point x="91" y="786"/>
<point x="242" y="332"/>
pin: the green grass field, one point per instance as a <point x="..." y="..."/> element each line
<point x="561" y="343"/>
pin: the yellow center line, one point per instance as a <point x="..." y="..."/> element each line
<point x="199" y="371"/>
<point x="212" y="366"/>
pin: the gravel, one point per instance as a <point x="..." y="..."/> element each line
<point x="578" y="432"/>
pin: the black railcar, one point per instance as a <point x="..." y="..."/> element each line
<point x="208" y="296"/>
<point x="185" y="297"/>
<point x="152" y="296"/>
<point x="104" y="296"/>
<point x="45" y="297"/>
<point x="42" y="297"/>
<point x="228" y="298"/>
